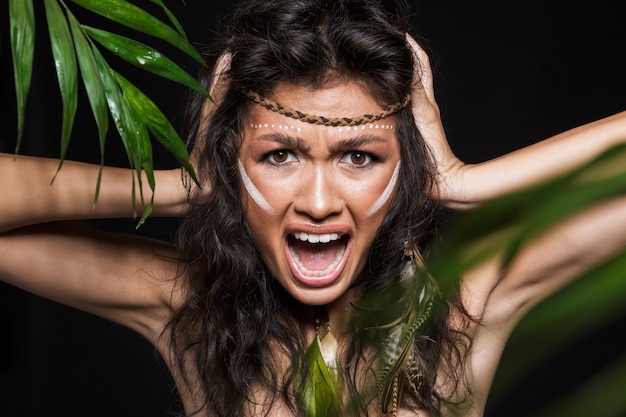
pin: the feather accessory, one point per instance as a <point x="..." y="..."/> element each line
<point x="398" y="314"/>
<point x="323" y="384"/>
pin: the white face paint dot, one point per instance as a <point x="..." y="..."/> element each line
<point x="341" y="128"/>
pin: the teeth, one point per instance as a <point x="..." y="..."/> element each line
<point x="315" y="238"/>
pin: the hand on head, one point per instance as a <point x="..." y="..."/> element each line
<point x="217" y="90"/>
<point x="428" y="121"/>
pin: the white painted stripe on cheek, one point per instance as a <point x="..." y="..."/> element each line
<point x="378" y="204"/>
<point x="253" y="191"/>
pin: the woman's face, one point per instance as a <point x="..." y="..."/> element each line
<point x="314" y="196"/>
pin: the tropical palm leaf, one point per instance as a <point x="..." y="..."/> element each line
<point x="22" y="23"/>
<point x="94" y="88"/>
<point x="144" y="57"/>
<point x="127" y="14"/>
<point x="66" y="68"/>
<point x="135" y="116"/>
<point x="506" y="224"/>
<point x="602" y="396"/>
<point x="503" y="227"/>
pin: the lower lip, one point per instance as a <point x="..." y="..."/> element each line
<point x="321" y="281"/>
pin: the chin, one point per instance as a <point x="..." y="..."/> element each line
<point x="318" y="296"/>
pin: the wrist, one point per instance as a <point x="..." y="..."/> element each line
<point x="171" y="193"/>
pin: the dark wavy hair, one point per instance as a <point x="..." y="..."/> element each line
<point x="236" y="316"/>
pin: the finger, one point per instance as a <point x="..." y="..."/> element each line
<point x="217" y="90"/>
<point x="423" y="73"/>
<point x="219" y="83"/>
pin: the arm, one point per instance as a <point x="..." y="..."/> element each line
<point x="126" y="279"/>
<point x="547" y="264"/>
<point x="463" y="186"/>
<point x="30" y="198"/>
<point x="468" y="185"/>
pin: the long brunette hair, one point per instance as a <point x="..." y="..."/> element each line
<point x="236" y="316"/>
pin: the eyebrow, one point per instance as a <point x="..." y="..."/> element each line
<point x="295" y="142"/>
<point x="356" y="142"/>
<point x="288" y="141"/>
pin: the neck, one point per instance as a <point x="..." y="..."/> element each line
<point x="339" y="313"/>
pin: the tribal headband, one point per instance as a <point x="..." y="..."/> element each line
<point x="327" y="121"/>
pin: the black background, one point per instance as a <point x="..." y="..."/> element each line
<point x="506" y="74"/>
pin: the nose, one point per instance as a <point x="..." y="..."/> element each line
<point x="318" y="197"/>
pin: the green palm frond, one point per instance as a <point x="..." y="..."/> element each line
<point x="127" y="14"/>
<point x="22" y="24"/>
<point x="503" y="227"/>
<point x="66" y="65"/>
<point x="76" y="55"/>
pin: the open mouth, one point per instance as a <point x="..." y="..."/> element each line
<point x="317" y="259"/>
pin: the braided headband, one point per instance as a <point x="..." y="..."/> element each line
<point x="326" y="121"/>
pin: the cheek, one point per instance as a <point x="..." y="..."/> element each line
<point x="369" y="199"/>
<point x="386" y="193"/>
<point x="254" y="193"/>
<point x="263" y="231"/>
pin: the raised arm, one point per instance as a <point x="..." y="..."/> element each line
<point x="463" y="186"/>
<point x="466" y="185"/>
<point x="29" y="196"/>
<point x="126" y="279"/>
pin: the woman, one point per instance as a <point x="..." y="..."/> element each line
<point x="230" y="308"/>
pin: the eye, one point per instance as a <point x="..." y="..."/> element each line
<point x="357" y="158"/>
<point x="279" y="157"/>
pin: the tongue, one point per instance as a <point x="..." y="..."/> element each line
<point x="316" y="256"/>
